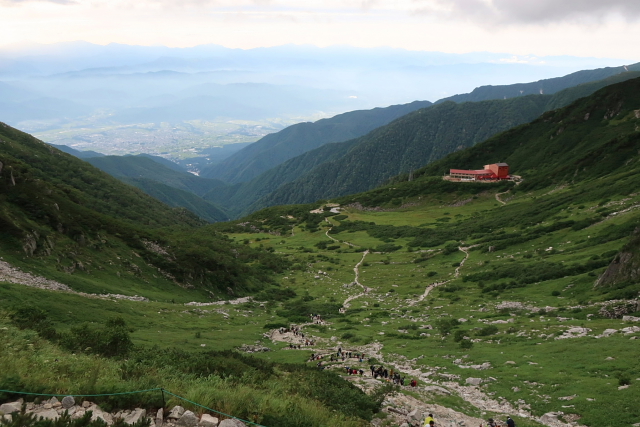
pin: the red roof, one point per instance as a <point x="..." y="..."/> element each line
<point x="479" y="172"/>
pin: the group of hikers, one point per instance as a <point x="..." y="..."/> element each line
<point x="429" y="421"/>
<point x="316" y="319"/>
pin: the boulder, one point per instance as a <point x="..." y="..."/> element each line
<point x="98" y="414"/>
<point x="188" y="419"/>
<point x="159" y="417"/>
<point x="68" y="402"/>
<point x="53" y="401"/>
<point x="232" y="422"/>
<point x="86" y="404"/>
<point x="176" y="412"/>
<point x="9" y="408"/>
<point x="207" y="420"/>
<point x="135" y="416"/>
<point x="47" y="414"/>
<point x="474" y="381"/>
<point x="79" y="413"/>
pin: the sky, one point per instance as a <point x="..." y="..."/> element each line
<point x="588" y="28"/>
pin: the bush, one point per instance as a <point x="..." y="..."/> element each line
<point x="487" y="331"/>
<point x="624" y="379"/>
<point x="112" y="340"/>
<point x="459" y="335"/>
<point x="466" y="344"/>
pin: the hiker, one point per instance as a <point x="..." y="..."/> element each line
<point x="428" y="420"/>
<point x="402" y="381"/>
<point x="414" y="383"/>
<point x="510" y="422"/>
<point x="491" y="422"/>
<point x="373" y="368"/>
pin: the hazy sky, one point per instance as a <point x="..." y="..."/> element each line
<point x="601" y="28"/>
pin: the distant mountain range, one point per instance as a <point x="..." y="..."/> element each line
<point x="310" y="161"/>
<point x="51" y="85"/>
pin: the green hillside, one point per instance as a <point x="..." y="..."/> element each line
<point x="71" y="222"/>
<point x="177" y="198"/>
<point x="147" y="168"/>
<point x="292" y="141"/>
<point x="167" y="183"/>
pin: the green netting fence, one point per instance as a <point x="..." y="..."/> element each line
<point x="158" y="389"/>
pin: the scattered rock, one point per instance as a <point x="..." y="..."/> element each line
<point x="622" y="387"/>
<point x="86" y="404"/>
<point x="135" y="416"/>
<point x="232" y="423"/>
<point x="188" y="419"/>
<point x="474" y="381"/>
<point x="9" y="408"/>
<point x="607" y="333"/>
<point x="159" y="417"/>
<point x="208" y="421"/>
<point x="576" y="332"/>
<point x="549" y="418"/>
<point x="568" y="397"/>
<point x="47" y="414"/>
<point x="68" y="402"/>
<point x="437" y="389"/>
<point x="509" y="362"/>
<point x="630" y="319"/>
<point x="176" y="412"/>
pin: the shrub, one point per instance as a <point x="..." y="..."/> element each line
<point x="466" y="344"/>
<point x="459" y="335"/>
<point x="487" y="331"/>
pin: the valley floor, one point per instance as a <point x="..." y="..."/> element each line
<point x="481" y="339"/>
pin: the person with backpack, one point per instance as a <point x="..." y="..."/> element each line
<point x="510" y="422"/>
<point x="428" y="420"/>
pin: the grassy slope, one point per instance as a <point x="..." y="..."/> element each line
<point x="63" y="218"/>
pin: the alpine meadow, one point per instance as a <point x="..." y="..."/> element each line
<point x="470" y="261"/>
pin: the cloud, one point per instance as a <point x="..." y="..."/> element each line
<point x="18" y="2"/>
<point x="530" y="11"/>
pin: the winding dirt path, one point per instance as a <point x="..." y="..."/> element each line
<point x="356" y="281"/>
<point x="500" y="194"/>
<point x="336" y="240"/>
<point x="436" y="284"/>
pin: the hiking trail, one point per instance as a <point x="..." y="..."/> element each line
<point x="456" y="274"/>
<point x="356" y="281"/>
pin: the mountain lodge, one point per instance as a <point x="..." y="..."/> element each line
<point x="493" y="172"/>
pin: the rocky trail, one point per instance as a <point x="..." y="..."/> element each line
<point x="10" y="274"/>
<point x="356" y="281"/>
